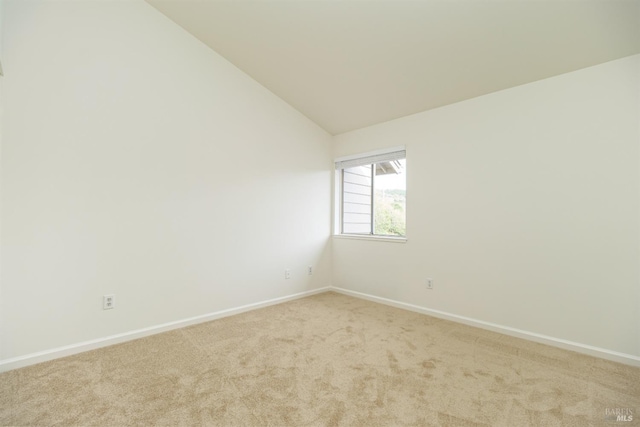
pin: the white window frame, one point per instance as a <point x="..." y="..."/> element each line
<point x="375" y="157"/>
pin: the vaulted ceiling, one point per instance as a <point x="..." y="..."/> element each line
<point x="348" y="64"/>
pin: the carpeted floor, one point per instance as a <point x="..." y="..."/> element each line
<point x="324" y="360"/>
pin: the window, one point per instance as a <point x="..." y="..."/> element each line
<point x="372" y="194"/>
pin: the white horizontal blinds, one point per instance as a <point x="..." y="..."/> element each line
<point x="370" y="159"/>
<point x="357" y="186"/>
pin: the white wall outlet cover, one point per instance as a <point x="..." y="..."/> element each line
<point x="108" y="302"/>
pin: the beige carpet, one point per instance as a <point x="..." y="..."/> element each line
<point x="323" y="360"/>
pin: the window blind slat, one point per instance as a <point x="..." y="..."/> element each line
<point x="367" y="160"/>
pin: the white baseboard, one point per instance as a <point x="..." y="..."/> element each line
<point x="627" y="359"/>
<point x="43" y="356"/>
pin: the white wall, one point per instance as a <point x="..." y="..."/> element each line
<point x="522" y="205"/>
<point x="1" y="125"/>
<point x="1" y="25"/>
<point x="136" y="161"/>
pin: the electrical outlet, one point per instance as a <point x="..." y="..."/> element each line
<point x="108" y="302"/>
<point x="310" y="270"/>
<point x="287" y="274"/>
<point x="429" y="283"/>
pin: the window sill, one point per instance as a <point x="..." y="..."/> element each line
<point x="369" y="237"/>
